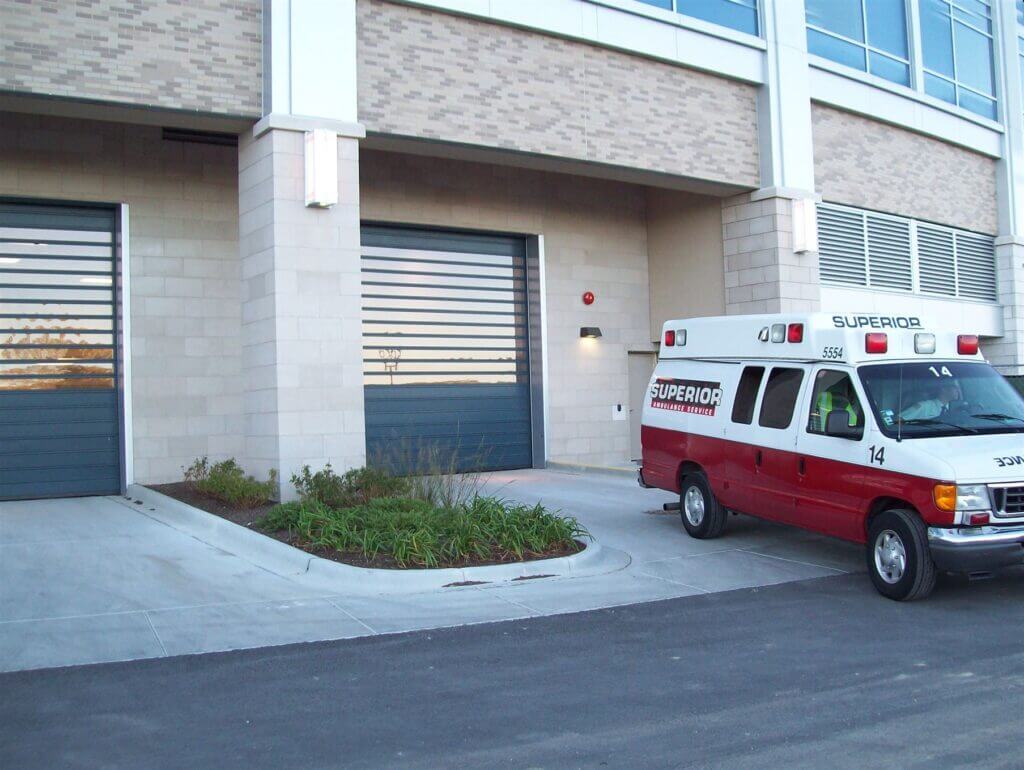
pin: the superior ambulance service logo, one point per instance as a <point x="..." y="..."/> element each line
<point x="691" y="396"/>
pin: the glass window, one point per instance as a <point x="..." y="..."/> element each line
<point x="780" y="396"/>
<point x="921" y="400"/>
<point x="834" y="391"/>
<point x="740" y="15"/>
<point x="956" y="48"/>
<point x="746" y="394"/>
<point x="869" y="35"/>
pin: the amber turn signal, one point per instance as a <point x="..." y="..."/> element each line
<point x="945" y="497"/>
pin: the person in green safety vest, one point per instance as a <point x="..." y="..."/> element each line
<point x="829" y="401"/>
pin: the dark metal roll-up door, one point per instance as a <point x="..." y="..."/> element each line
<point x="59" y="410"/>
<point x="445" y="350"/>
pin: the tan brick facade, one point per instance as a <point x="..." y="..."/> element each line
<point x="595" y="239"/>
<point x="200" y="55"/>
<point x="861" y="162"/>
<point x="185" y="289"/>
<point x="438" y="76"/>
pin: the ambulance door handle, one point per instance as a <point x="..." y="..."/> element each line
<point x="802" y="466"/>
<point x="758" y="458"/>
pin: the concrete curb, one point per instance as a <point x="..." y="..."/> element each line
<point x="335" y="578"/>
<point x="601" y="470"/>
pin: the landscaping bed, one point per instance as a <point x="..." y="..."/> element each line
<point x="367" y="518"/>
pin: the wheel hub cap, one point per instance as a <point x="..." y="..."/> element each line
<point x="890" y="556"/>
<point x="693" y="506"/>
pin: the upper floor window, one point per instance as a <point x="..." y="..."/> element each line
<point x="740" y="15"/>
<point x="870" y="35"/>
<point x="956" y="48"/>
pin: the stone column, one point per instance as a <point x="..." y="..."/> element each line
<point x="762" y="272"/>
<point x="1006" y="353"/>
<point x="301" y="332"/>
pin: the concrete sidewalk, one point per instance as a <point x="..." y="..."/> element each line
<point x="92" y="580"/>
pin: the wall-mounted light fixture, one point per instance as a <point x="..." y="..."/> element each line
<point x="805" y="226"/>
<point x="590" y="332"/>
<point x="321" y="168"/>
<point x="588" y="298"/>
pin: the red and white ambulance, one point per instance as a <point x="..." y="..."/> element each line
<point x="879" y="429"/>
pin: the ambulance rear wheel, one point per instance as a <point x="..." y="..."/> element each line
<point x="899" y="560"/>
<point x="702" y="516"/>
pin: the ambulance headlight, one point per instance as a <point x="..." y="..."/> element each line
<point x="972" y="497"/>
<point x="962" y="497"/>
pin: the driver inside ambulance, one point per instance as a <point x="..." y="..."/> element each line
<point x="932" y="408"/>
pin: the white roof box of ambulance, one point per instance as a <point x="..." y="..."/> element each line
<point x="847" y="337"/>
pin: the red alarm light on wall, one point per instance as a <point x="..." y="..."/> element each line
<point x="588" y="298"/>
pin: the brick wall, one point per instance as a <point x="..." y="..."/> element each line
<point x="861" y="162"/>
<point x="595" y="238"/>
<point x="185" y="293"/>
<point x="198" y="55"/>
<point x="433" y="75"/>
<point x="762" y="273"/>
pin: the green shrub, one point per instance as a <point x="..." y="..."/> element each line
<point x="227" y="482"/>
<point x="417" y="532"/>
<point x="354" y="487"/>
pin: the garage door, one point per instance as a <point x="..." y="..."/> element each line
<point x="445" y="350"/>
<point x="59" y="415"/>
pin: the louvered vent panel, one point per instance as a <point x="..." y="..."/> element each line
<point x="935" y="260"/>
<point x="889" y="265"/>
<point x="976" y="266"/>
<point x="842" y="256"/>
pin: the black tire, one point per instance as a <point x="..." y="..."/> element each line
<point x="917" y="577"/>
<point x="712" y="522"/>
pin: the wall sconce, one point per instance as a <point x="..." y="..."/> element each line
<point x="590" y="332"/>
<point x="805" y="226"/>
<point x="321" y="168"/>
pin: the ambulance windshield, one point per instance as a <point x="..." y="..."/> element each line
<point x="921" y="400"/>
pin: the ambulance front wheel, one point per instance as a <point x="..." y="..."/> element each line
<point x="702" y="516"/>
<point x="899" y="559"/>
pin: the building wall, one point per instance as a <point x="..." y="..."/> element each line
<point x="437" y="76"/>
<point x="201" y="55"/>
<point x="595" y="238"/>
<point x="861" y="162"/>
<point x="684" y="249"/>
<point x="183" y="251"/>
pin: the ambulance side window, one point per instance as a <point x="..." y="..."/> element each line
<point x="746" y="394"/>
<point x="834" y="392"/>
<point x="780" y="396"/>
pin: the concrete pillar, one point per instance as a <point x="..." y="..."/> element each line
<point x="302" y="354"/>
<point x="1007" y="352"/>
<point x="762" y="272"/>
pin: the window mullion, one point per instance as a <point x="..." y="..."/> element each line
<point x="915" y="42"/>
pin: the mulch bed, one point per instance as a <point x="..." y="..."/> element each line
<point x="247" y="517"/>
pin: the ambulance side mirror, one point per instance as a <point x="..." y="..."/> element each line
<point x="838" y="424"/>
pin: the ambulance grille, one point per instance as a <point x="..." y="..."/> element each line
<point x="1009" y="500"/>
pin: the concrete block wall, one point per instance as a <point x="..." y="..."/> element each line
<point x="595" y="239"/>
<point x="301" y="326"/>
<point x="183" y="251"/>
<point x="1007" y="352"/>
<point x="434" y="75"/>
<point x="865" y="163"/>
<point x="762" y="273"/>
<point x="203" y="55"/>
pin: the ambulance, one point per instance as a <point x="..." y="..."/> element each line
<point x="885" y="430"/>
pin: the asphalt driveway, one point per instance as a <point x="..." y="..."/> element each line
<point x="91" y="580"/>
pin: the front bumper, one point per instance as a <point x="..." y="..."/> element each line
<point x="976" y="549"/>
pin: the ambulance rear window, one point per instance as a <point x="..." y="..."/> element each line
<point x="780" y="396"/>
<point x="746" y="394"/>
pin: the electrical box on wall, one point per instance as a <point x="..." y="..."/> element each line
<point x="618" y="413"/>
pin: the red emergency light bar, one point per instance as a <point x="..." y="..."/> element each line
<point x="795" y="333"/>
<point x="967" y="344"/>
<point x="876" y="342"/>
<point x="670" y="338"/>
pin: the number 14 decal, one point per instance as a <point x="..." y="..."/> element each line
<point x="877" y="454"/>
